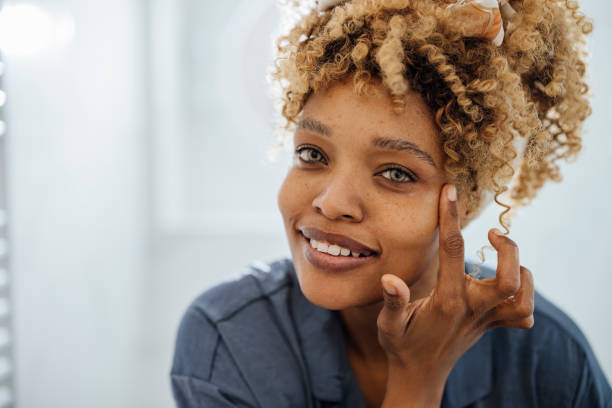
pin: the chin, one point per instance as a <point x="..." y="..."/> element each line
<point x="335" y="291"/>
<point x="326" y="301"/>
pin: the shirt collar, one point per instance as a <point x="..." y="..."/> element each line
<point x="322" y="338"/>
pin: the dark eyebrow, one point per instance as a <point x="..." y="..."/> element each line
<point x="403" y="145"/>
<point x="314" y="125"/>
<point x="399" y="145"/>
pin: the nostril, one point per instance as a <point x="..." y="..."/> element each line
<point x="338" y="205"/>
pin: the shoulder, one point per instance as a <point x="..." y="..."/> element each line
<point x="237" y="334"/>
<point x="554" y="359"/>
<point x="198" y="334"/>
<point x="256" y="282"/>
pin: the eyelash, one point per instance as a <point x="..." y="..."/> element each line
<point x="412" y="178"/>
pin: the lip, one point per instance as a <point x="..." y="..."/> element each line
<point x="341" y="240"/>
<point x="332" y="263"/>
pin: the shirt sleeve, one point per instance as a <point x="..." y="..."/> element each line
<point x="190" y="392"/>
<point x="203" y="373"/>
<point x="593" y="390"/>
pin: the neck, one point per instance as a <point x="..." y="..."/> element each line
<point x="361" y="332"/>
<point x="360" y="327"/>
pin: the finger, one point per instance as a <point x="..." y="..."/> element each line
<point x="524" y="323"/>
<point x="394" y="315"/>
<point x="507" y="275"/>
<point x="451" y="248"/>
<point x="517" y="307"/>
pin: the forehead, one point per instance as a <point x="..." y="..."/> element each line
<point x="369" y="116"/>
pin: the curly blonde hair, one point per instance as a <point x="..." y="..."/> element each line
<point x="484" y="98"/>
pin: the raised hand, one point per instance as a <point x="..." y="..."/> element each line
<point x="423" y="339"/>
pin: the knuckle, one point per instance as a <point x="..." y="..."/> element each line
<point x="527" y="273"/>
<point x="508" y="286"/>
<point x="394" y="303"/>
<point x="454" y="245"/>
<point x="386" y="332"/>
<point x="527" y="323"/>
<point x="454" y="212"/>
<point x="524" y="310"/>
<point x="384" y="327"/>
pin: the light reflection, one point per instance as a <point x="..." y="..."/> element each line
<point x="64" y="31"/>
<point x="2" y="98"/>
<point x="27" y="30"/>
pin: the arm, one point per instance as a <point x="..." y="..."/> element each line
<point x="592" y="390"/>
<point x="203" y="373"/>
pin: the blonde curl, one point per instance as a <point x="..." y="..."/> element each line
<point x="484" y="98"/>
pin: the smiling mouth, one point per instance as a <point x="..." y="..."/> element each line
<point x="335" y="250"/>
<point x="334" y="258"/>
<point x="329" y="242"/>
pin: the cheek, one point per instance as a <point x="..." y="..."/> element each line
<point x="293" y="195"/>
<point x="411" y="223"/>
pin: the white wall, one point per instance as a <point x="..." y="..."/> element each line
<point x="78" y="210"/>
<point x="116" y="221"/>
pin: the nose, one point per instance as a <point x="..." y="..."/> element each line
<point x="340" y="199"/>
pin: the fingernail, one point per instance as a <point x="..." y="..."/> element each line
<point x="497" y="232"/>
<point x="390" y="289"/>
<point x="452" y="193"/>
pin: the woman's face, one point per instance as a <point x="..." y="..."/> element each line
<point x="366" y="174"/>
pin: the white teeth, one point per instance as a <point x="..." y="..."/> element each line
<point x="355" y="254"/>
<point x="331" y="249"/>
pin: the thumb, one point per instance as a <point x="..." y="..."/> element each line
<point x="394" y="315"/>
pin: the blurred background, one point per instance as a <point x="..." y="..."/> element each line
<point x="134" y="174"/>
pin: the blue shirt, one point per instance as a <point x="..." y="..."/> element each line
<point x="256" y="341"/>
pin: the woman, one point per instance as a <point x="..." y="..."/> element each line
<point x="407" y="118"/>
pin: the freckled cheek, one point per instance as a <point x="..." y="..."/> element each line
<point x="410" y="225"/>
<point x="294" y="195"/>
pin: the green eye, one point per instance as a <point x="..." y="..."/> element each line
<point x="309" y="154"/>
<point x="397" y="175"/>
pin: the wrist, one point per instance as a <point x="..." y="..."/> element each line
<point x="407" y="388"/>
